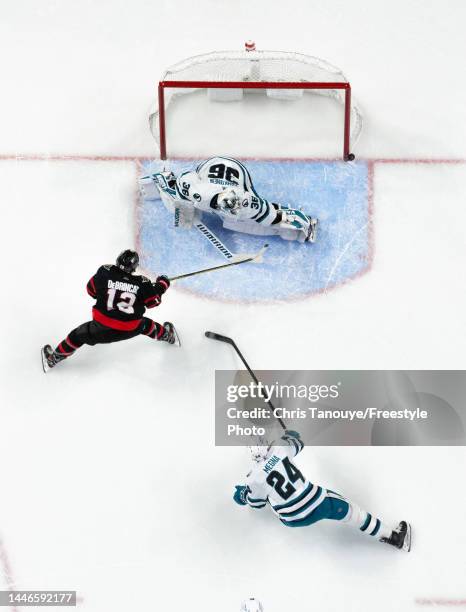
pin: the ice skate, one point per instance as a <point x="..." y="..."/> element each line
<point x="401" y="537"/>
<point x="170" y="334"/>
<point x="49" y="358"/>
<point x="312" y="230"/>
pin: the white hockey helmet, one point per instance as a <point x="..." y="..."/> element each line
<point x="259" y="453"/>
<point x="229" y="201"/>
<point x="251" y="605"/>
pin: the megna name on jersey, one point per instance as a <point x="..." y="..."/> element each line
<point x="119" y="286"/>
<point x="271" y="463"/>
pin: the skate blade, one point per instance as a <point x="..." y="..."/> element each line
<point x="311" y="237"/>
<point x="177" y="337"/>
<point x="407" y="541"/>
<point x="45" y="365"/>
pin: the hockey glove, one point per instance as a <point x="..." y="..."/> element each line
<point x="163" y="280"/>
<point x="240" y="494"/>
<point x="289" y="433"/>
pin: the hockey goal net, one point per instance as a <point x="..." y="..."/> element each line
<point x="227" y="76"/>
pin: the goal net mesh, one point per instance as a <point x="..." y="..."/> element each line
<point x="256" y="66"/>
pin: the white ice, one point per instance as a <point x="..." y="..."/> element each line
<point x="111" y="483"/>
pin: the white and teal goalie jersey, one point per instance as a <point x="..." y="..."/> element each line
<point x="202" y="186"/>
<point x="280" y="483"/>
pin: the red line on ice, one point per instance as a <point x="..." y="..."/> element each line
<point x="142" y="158"/>
<point x="137" y="160"/>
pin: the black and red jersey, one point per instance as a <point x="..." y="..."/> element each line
<point x="122" y="298"/>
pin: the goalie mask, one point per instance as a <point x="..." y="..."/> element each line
<point x="229" y="201"/>
<point x="170" y="177"/>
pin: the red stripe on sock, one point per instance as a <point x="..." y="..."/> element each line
<point x="68" y="341"/>
<point x="61" y="350"/>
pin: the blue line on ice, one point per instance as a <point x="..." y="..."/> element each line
<point x="334" y="192"/>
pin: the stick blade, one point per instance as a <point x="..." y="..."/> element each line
<point x="219" y="337"/>
<point x="259" y="257"/>
<point x="252" y="257"/>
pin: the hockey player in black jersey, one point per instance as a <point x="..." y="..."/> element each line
<point x="121" y="300"/>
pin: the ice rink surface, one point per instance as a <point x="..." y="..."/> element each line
<point x="111" y="483"/>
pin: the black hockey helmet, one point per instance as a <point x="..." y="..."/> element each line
<point x="128" y="260"/>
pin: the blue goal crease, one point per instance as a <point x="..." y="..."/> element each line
<point x="335" y="192"/>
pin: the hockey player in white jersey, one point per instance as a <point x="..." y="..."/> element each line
<point x="276" y="481"/>
<point x="223" y="185"/>
<point x="251" y="605"/>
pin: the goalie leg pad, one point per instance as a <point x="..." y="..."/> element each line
<point x="256" y="229"/>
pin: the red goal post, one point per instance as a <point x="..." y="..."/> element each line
<point x="292" y="73"/>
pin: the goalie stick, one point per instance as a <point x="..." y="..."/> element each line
<point x="227" y="340"/>
<point x="214" y="240"/>
<point x="257" y="258"/>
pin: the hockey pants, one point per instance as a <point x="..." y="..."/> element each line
<point x="336" y="508"/>
<point x="93" y="333"/>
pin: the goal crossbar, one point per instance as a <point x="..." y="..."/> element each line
<point x="347" y="155"/>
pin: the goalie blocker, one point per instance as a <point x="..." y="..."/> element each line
<point x="223" y="186"/>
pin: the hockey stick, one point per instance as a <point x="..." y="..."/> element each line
<point x="256" y="258"/>
<point x="220" y="338"/>
<point x="208" y="234"/>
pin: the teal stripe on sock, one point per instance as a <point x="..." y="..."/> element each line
<point x="366" y="522"/>
<point x="376" y="528"/>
